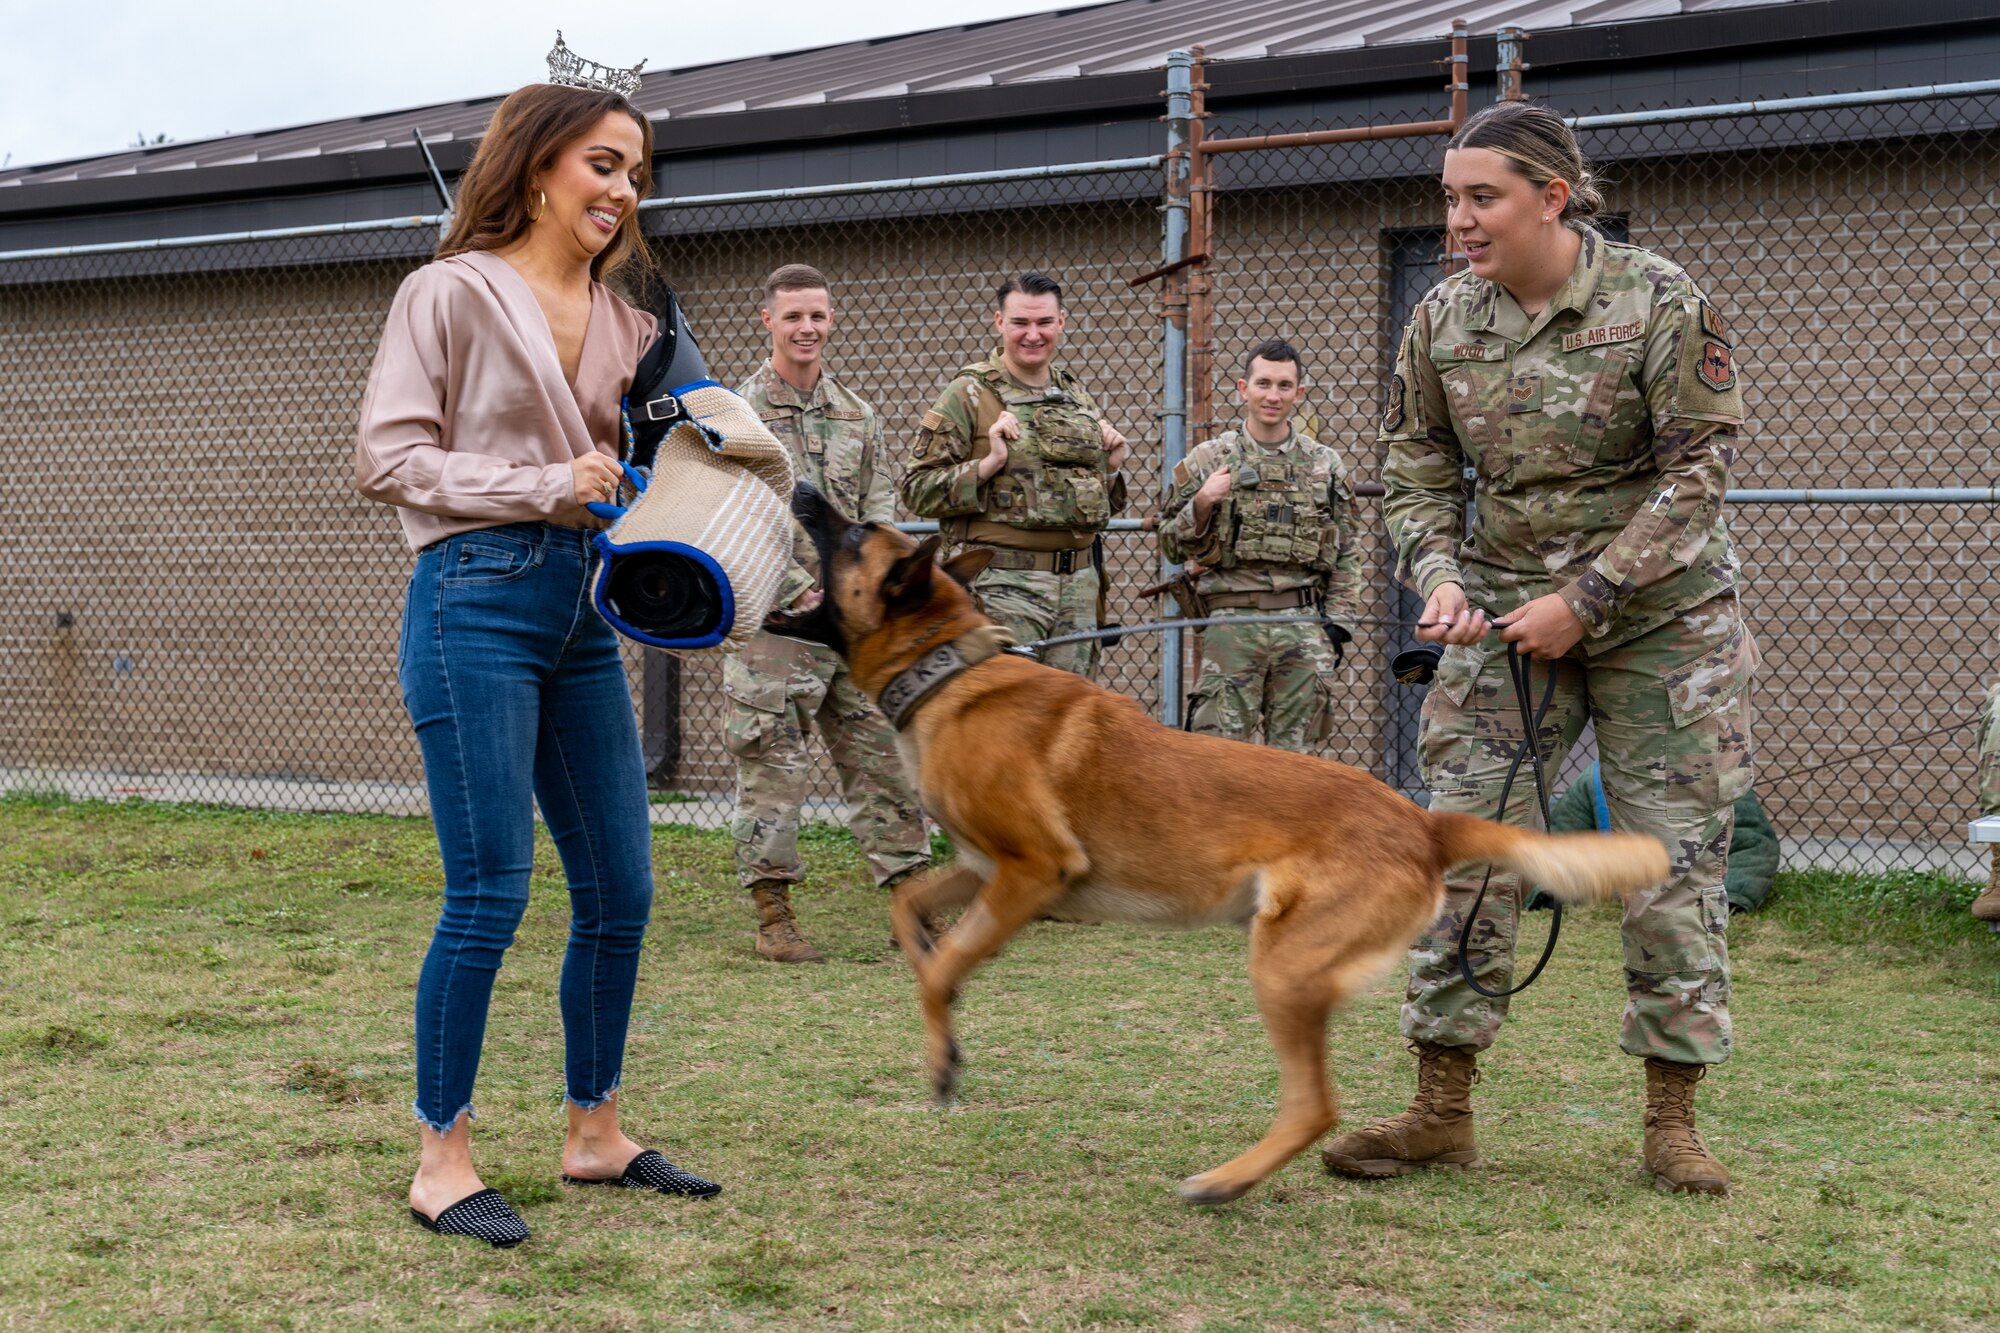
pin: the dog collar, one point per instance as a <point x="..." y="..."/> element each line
<point x="912" y="686"/>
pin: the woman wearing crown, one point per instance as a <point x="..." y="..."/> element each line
<point x="491" y="419"/>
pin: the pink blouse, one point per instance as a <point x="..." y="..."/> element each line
<point x="468" y="421"/>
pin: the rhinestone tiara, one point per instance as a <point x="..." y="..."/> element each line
<point x="571" y="70"/>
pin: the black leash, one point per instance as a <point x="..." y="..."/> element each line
<point x="1034" y="648"/>
<point x="1521" y="670"/>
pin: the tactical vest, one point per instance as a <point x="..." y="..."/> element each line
<point x="1274" y="517"/>
<point x="1058" y="473"/>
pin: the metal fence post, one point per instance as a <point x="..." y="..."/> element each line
<point x="1201" y="246"/>
<point x="1173" y="342"/>
<point x="1510" y="61"/>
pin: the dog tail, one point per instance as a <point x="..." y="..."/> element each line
<point x="1575" y="867"/>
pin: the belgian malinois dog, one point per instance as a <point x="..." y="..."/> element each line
<point x="1055" y="793"/>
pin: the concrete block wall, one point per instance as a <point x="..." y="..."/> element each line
<point x="180" y="478"/>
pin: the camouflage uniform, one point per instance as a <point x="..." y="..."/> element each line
<point x="1989" y="753"/>
<point x="780" y="688"/>
<point x="1601" y="434"/>
<point x="1040" y="514"/>
<point x="1986" y="907"/>
<point x="1281" y="540"/>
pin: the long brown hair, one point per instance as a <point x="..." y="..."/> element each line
<point x="523" y="140"/>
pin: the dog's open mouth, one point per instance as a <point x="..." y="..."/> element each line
<point x="802" y="614"/>
<point x="807" y="603"/>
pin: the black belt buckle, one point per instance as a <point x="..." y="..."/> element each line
<point x="665" y="408"/>
<point x="1065" y="562"/>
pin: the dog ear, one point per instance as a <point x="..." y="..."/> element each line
<point x="910" y="577"/>
<point x="968" y="565"/>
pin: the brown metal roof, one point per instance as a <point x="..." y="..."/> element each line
<point x="1117" y="37"/>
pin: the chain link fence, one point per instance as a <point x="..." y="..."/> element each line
<point x="195" y="604"/>
<point x="1851" y="249"/>
<point x="199" y="607"/>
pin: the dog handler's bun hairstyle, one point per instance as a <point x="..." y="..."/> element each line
<point x="1540" y="146"/>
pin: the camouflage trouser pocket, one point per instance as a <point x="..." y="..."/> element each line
<point x="1709" y="701"/>
<point x="1447" y="727"/>
<point x="1457" y="672"/>
<point x="756" y="711"/>
<point x="1320" y="729"/>
<point x="1205" y="710"/>
<point x="1989" y="752"/>
<point x="1678" y="930"/>
<point x="1222" y="707"/>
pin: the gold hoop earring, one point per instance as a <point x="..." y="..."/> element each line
<point x="541" y="207"/>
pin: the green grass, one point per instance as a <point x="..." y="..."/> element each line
<point x="205" y="1077"/>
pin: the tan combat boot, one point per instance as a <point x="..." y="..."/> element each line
<point x="1986" y="907"/>
<point x="778" y="937"/>
<point x="1435" y="1131"/>
<point x="1680" y="1162"/>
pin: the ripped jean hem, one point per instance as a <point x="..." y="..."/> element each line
<point x="588" y="1104"/>
<point x="445" y="1127"/>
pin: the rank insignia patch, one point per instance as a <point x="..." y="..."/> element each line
<point x="1718" y="368"/>
<point x="1392" y="419"/>
<point x="1524" y="394"/>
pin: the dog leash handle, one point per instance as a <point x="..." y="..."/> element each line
<point x="1521" y="670"/>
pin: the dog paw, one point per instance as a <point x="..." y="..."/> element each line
<point x="944" y="1078"/>
<point x="1202" y="1191"/>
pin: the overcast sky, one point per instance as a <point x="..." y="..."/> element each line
<point x="90" y="76"/>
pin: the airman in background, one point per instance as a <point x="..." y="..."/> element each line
<point x="780" y="689"/>
<point x="1015" y="456"/>
<point x="1264" y="520"/>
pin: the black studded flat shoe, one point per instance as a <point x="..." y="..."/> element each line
<point x="650" y="1171"/>
<point x="485" y="1215"/>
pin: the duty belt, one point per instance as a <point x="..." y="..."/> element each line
<point x="1263" y="601"/>
<point x="1048" y="562"/>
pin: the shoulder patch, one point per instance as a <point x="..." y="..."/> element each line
<point x="933" y="420"/>
<point x="1717" y="368"/>
<point x="1393" y="418"/>
<point x="1713" y="325"/>
<point x="1706" y="385"/>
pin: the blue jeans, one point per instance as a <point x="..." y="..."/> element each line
<point x="515" y="687"/>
